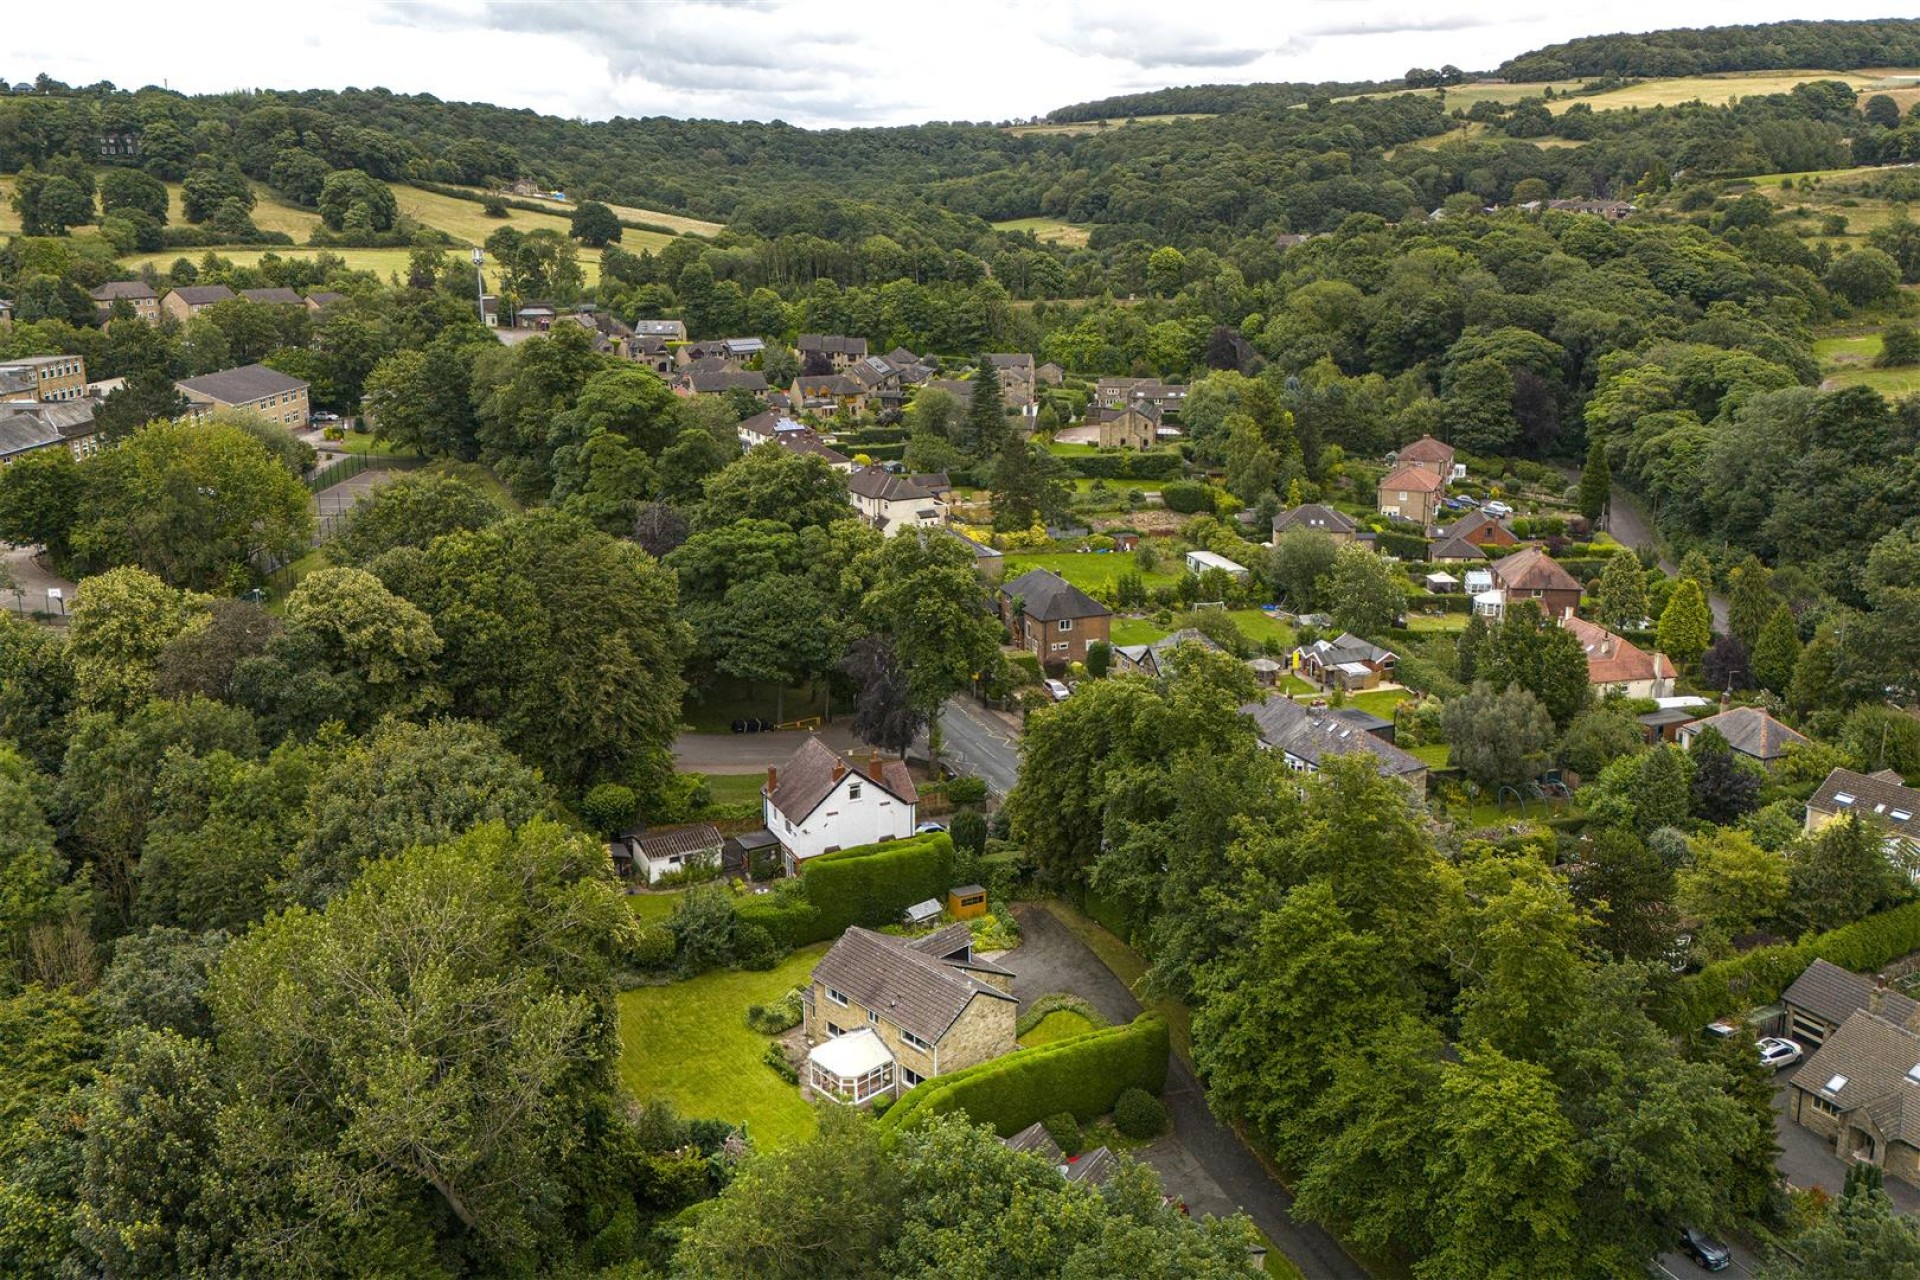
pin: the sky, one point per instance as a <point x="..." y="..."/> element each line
<point x="816" y="63"/>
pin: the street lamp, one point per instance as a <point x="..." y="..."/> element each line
<point x="480" y="284"/>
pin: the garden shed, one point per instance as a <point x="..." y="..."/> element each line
<point x="921" y="913"/>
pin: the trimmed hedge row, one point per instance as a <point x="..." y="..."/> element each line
<point x="1406" y="546"/>
<point x="867" y="885"/>
<point x="1127" y="465"/>
<point x="1759" y="976"/>
<point x="1060" y="1001"/>
<point x="1084" y="1074"/>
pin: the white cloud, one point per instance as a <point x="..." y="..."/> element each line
<point x="819" y="63"/>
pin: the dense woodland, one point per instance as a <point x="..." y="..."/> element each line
<point x="305" y="903"/>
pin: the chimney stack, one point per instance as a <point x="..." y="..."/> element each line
<point x="773" y="779"/>
<point x="1877" y="1002"/>
<point x="873" y="766"/>
<point x="839" y="768"/>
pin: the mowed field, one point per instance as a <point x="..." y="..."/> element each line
<point x="1049" y="231"/>
<point x="676" y="222"/>
<point x="1094" y="126"/>
<point x="1671" y="92"/>
<point x="1847" y="361"/>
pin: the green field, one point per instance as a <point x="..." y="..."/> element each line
<point x="1254" y="624"/>
<point x="1049" y="231"/>
<point x="1093" y="571"/>
<point x="382" y="262"/>
<point x="677" y="222"/>
<point x="1095" y="126"/>
<point x="653" y="908"/>
<point x="1847" y="361"/>
<point x="688" y="1042"/>
<point x="1057" y="1025"/>
<point x="468" y="222"/>
<point x="1714" y="89"/>
<point x="735" y="788"/>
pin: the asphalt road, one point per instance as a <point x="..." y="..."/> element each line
<point x="978" y="742"/>
<point x="1629" y="526"/>
<point x="1048" y="959"/>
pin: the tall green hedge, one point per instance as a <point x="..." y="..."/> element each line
<point x="1128" y="465"/>
<point x="791" y="921"/>
<point x="1082" y="1074"/>
<point x="1406" y="546"/>
<point x="869" y="885"/>
<point x="1759" y="976"/>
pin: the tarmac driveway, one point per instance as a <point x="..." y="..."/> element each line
<point x="1203" y="1162"/>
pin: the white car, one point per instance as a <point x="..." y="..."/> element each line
<point x="1498" y="510"/>
<point x="1777" y="1053"/>
<point x="1059" y="690"/>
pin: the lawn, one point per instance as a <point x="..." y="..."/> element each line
<point x="735" y="788"/>
<point x="689" y="1043"/>
<point x="382" y="262"/>
<point x="1437" y="622"/>
<point x="1378" y="702"/>
<point x="1434" y="754"/>
<point x="368" y="443"/>
<point x="468" y="221"/>
<point x="654" y="908"/>
<point x="1049" y="231"/>
<point x="1094" y="571"/>
<point x="1715" y="89"/>
<point x="1847" y="361"/>
<point x="1255" y="624"/>
<point x="1057" y="1025"/>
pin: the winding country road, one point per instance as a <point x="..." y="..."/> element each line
<point x="1630" y="527"/>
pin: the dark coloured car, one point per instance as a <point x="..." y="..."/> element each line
<point x="1705" y="1250"/>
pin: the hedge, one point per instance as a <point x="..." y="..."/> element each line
<point x="1037" y="1011"/>
<point x="1187" y="496"/>
<point x="1759" y="976"/>
<point x="792" y="922"/>
<point x="1083" y="1074"/>
<point x="872" y="884"/>
<point x="1127" y="465"/>
<point x="1406" y="546"/>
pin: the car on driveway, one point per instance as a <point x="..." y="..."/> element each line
<point x="1058" y="689"/>
<point x="1705" y="1250"/>
<point x="928" y="828"/>
<point x="1498" y="510"/>
<point x="1777" y="1053"/>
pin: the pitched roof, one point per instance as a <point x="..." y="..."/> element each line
<point x="128" y="289"/>
<point x="832" y="343"/>
<point x="325" y="297"/>
<point x="285" y="297"/>
<point x="1312" y="736"/>
<point x="1010" y="360"/>
<point x="1035" y="1140"/>
<point x="1455" y="549"/>
<point x="200" y="295"/>
<point x="1155" y="655"/>
<point x="1831" y="993"/>
<point x="23" y="432"/>
<point x="903" y="984"/>
<point x="829" y="384"/>
<point x="811" y="773"/>
<point x="1612" y="660"/>
<point x="725" y="380"/>
<point x="1413" y="479"/>
<point x="1751" y="732"/>
<point x="1473" y="522"/>
<point x="1871" y="796"/>
<point x="1049" y="597"/>
<point x="887" y="486"/>
<point x="1318" y="518"/>
<point x="810" y="442"/>
<point x="1869" y="1062"/>
<point x="237" y="386"/>
<point x="1533" y="570"/>
<point x="1348" y="647"/>
<point x="1426" y="449"/>
<point x="701" y="838"/>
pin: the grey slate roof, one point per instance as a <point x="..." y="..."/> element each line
<point x="1049" y="597"/>
<point x="1314" y="516"/>
<point x="238" y="386"/>
<point x="1832" y="994"/>
<point x="281" y="297"/>
<point x="1752" y="732"/>
<point x="1874" y="797"/>
<point x="701" y="838"/>
<point x="1348" y="647"/>
<point x="1868" y="1060"/>
<point x="128" y="289"/>
<point x="887" y="486"/>
<point x="1455" y="549"/>
<point x="25" y="432"/>
<point x="200" y="295"/>
<point x="706" y="383"/>
<point x="1035" y="1140"/>
<point x="1154" y="656"/>
<point x="1312" y="736"/>
<point x="832" y="343"/>
<point x="808" y="777"/>
<point x="901" y="983"/>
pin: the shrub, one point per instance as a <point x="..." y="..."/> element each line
<point x="789" y="918"/>
<point x="653" y="947"/>
<point x="609" y="808"/>
<point x="776" y="1057"/>
<point x="783" y="1014"/>
<point x="995" y="931"/>
<point x="1064" y="1130"/>
<point x="1139" y="1114"/>
<point x="754" y="947"/>
<point x="883" y="1104"/>
<point x="1083" y="1075"/>
<point x="967" y="790"/>
<point x="969" y="831"/>
<point x="1059" y="1001"/>
<point x="1187" y="496"/>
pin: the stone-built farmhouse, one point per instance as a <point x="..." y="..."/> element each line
<point x="884" y="1013"/>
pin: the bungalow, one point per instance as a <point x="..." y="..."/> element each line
<point x="719" y="382"/>
<point x="1411" y="492"/>
<point x="1615" y="665"/>
<point x="137" y="294"/>
<point x="1306" y="737"/>
<point x="809" y="442"/>
<point x="1882" y="798"/>
<point x="884" y="1013"/>
<point x="1154" y="659"/>
<point x="1454" y="551"/>
<point x="1051" y="618"/>
<point x="1199" y="562"/>
<point x="1344" y="662"/>
<point x="831" y="349"/>
<point x="1748" y="730"/>
<point x="276" y="396"/>
<point x="1529" y="575"/>
<point x="649" y="855"/>
<point x="1857" y="1090"/>
<point x="1482" y="530"/>
<point x="1315" y="518"/>
<point x="188" y="301"/>
<point x="815" y="803"/>
<point x="766" y="428"/>
<point x="891" y="502"/>
<point x="1429" y="455"/>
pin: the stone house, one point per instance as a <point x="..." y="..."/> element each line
<point x="890" y="502"/>
<point x="1825" y="995"/>
<point x="1429" y="455"/>
<point x="1858" y="1089"/>
<point x="1748" y="730"/>
<point x="45" y="379"/>
<point x="1315" y="518"/>
<point x="137" y="294"/>
<point x="1134" y="427"/>
<point x="1881" y="798"/>
<point x="836" y="350"/>
<point x="1017" y="378"/>
<point x="275" y="396"/>
<point x="719" y="382"/>
<point x="1411" y="492"/>
<point x="884" y="1013"/>
<point x="188" y="301"/>
<point x="1613" y="664"/>
<point x="830" y="392"/>
<point x="1051" y="618"/>
<point x="817" y="803"/>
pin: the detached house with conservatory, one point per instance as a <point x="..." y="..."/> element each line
<point x="818" y="803"/>
<point x="884" y="1013"/>
<point x="1051" y="618"/>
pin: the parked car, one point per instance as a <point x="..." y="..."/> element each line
<point x="1705" y="1250"/>
<point x="1498" y="510"/>
<point x="324" y="416"/>
<point x="1778" y="1053"/>
<point x="1058" y="689"/>
<point x="928" y="828"/>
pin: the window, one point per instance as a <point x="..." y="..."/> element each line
<point x="1061" y="647"/>
<point x="873" y="1019"/>
<point x="834" y="1031"/>
<point x="915" y="1040"/>
<point x="910" y="1077"/>
<point x="853" y="791"/>
<point x="1821" y="1105"/>
<point x="836" y="996"/>
<point x="1066" y="624"/>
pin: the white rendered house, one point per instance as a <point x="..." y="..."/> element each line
<point x="818" y="803"/>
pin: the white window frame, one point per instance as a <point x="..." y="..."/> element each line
<point x="1066" y="624"/>
<point x="837" y="997"/>
<point x="909" y="1077"/>
<point x="915" y="1041"/>
<point x="873" y="1019"/>
<point x="853" y="791"/>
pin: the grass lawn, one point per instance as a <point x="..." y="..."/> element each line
<point x="1130" y="967"/>
<point x="689" y="1042"/>
<point x="1379" y="702"/>
<point x="1059" y="450"/>
<point x="678" y="222"/>
<point x="468" y="221"/>
<point x="382" y="262"/>
<point x="480" y="476"/>
<point x="1057" y="1026"/>
<point x="1093" y="571"/>
<point x="1435" y="754"/>
<point x="1136" y="631"/>
<point x="1847" y="361"/>
<point x="735" y="788"/>
<point x="654" y="908"/>
<point x="1437" y="621"/>
<point x="714" y="709"/>
<point x="1049" y="231"/>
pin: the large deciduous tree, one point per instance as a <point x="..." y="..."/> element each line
<point x="1498" y="737"/>
<point x="1368" y="594"/>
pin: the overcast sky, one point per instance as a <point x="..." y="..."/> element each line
<point x="818" y="63"/>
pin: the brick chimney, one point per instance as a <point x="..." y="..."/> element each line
<point x="873" y="767"/>
<point x="1877" y="1002"/>
<point x="773" y="779"/>
<point x="839" y="768"/>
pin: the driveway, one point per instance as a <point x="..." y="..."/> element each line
<point x="1629" y="526"/>
<point x="1203" y="1162"/>
<point x="1807" y="1159"/>
<point x="979" y="742"/>
<point x="34" y="578"/>
<point x="752" y="752"/>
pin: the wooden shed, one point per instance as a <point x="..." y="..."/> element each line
<point x="967" y="901"/>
